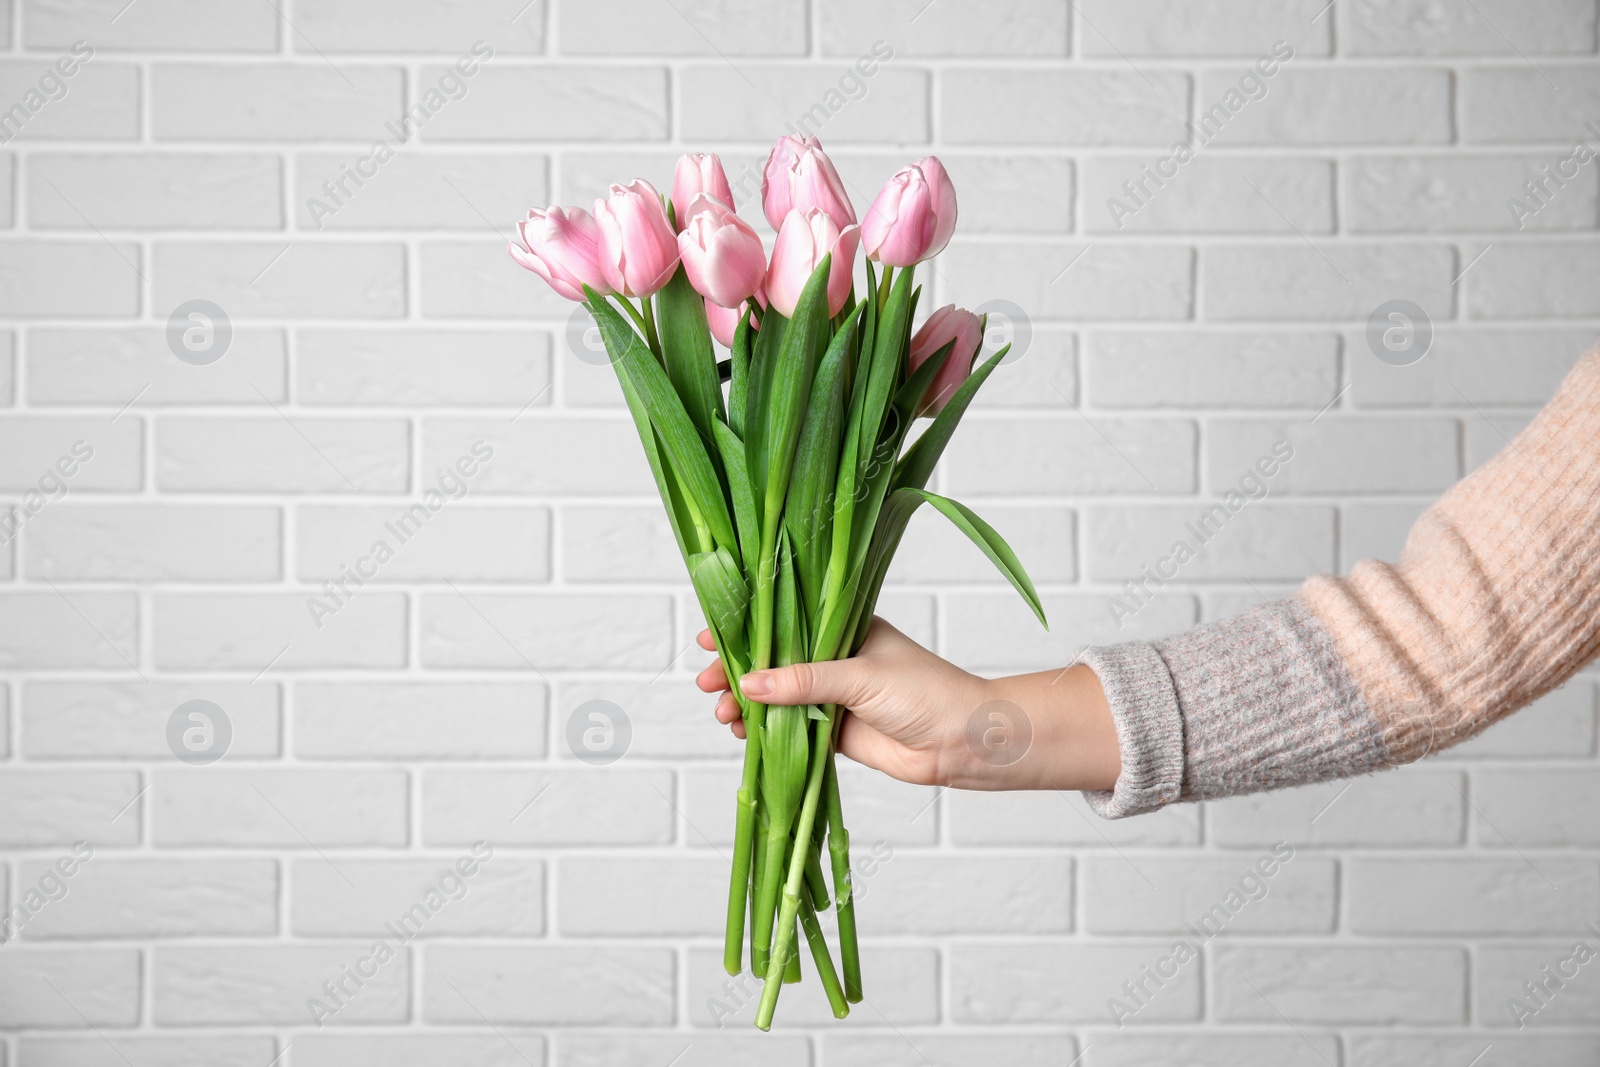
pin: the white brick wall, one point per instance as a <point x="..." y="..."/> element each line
<point x="375" y="346"/>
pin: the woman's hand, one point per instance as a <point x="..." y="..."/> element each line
<point x="922" y="719"/>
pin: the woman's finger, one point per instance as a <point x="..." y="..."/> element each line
<point x="706" y="641"/>
<point x="713" y="679"/>
<point x="727" y="709"/>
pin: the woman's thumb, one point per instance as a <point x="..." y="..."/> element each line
<point x="848" y="682"/>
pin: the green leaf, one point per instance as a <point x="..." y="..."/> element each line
<point x="745" y="517"/>
<point x="686" y="350"/>
<point x="804" y="340"/>
<point x="724" y="594"/>
<point x="909" y="397"/>
<point x="808" y="513"/>
<point x="679" y="438"/>
<point x="916" y="466"/>
<point x="763" y="356"/>
<point x="993" y="545"/>
<point x="790" y="617"/>
<point x="739" y="374"/>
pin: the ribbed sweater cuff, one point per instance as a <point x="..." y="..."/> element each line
<point x="1144" y="706"/>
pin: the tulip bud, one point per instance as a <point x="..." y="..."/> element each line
<point x="776" y="194"/>
<point x="638" y="250"/>
<point x="799" y="176"/>
<point x="948" y="324"/>
<point x="725" y="321"/>
<point x="698" y="173"/>
<point x="913" y="217"/>
<point x="562" y="246"/>
<point x="804" y="239"/>
<point x="721" y="253"/>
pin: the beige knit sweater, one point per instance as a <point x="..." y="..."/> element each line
<point x="1495" y="601"/>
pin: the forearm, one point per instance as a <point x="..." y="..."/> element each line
<point x="1051" y="730"/>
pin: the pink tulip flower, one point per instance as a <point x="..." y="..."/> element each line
<point x="725" y="321"/>
<point x="804" y="239"/>
<point x="949" y="323"/>
<point x="562" y="246"/>
<point x="799" y="176"/>
<point x="638" y="250"/>
<point x="913" y="217"/>
<point x="721" y="253"/>
<point x="698" y="173"/>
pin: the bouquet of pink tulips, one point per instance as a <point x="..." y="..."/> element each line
<point x="781" y="468"/>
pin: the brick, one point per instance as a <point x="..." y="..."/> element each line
<point x="57" y="809"/>
<point x="1063" y="982"/>
<point x="148" y="191"/>
<point x="69" y="631"/>
<point x="1359" y="813"/>
<point x="576" y="102"/>
<point x="154" y="542"/>
<point x="417" y="190"/>
<point x="267" y="279"/>
<point x="69" y="989"/>
<point x="1469" y="897"/>
<point x="478" y="280"/>
<point x="1334" y="281"/>
<point x="1208" y="194"/>
<point x="411" y="367"/>
<point x="249" y="631"/>
<point x="596" y="1050"/>
<point x="1482" y="367"/>
<point x="1534" y="809"/>
<point x="1195" y="369"/>
<point x="833" y="100"/>
<point x="1498" y="27"/>
<point x="999" y="632"/>
<point x="1522" y="103"/>
<point x="123" y="899"/>
<point x="164" y="26"/>
<point x="71" y="278"/>
<point x="1029" y="28"/>
<point x="545" y="456"/>
<point x="880" y="812"/>
<point x="257" y="985"/>
<point x="304" y="101"/>
<point x="104" y="99"/>
<point x="1486" y="438"/>
<point x="936" y="552"/>
<point x="114" y="366"/>
<point x="1480" y="193"/>
<point x="128" y="720"/>
<point x="288" y="809"/>
<point x="8" y="368"/>
<point x="417" y="1048"/>
<point x="458" y="542"/>
<point x="1376" y="986"/>
<point x="1535" y="280"/>
<point x="555" y="984"/>
<point x="948" y="1050"/>
<point x="1379" y="106"/>
<point x="1071" y="455"/>
<point x="424" y="898"/>
<point x="1377" y="1050"/>
<point x="419" y="720"/>
<point x="984" y="819"/>
<point x="546" y="631"/>
<point x="109" y="455"/>
<point x="548" y="807"/>
<point x="658" y="895"/>
<point x="1500" y="974"/>
<point x="1247" y="28"/>
<point x="283" y="454"/>
<point x="1040" y="371"/>
<point x="617" y="543"/>
<point x="903" y="984"/>
<point x="414" y="26"/>
<point x="1375" y="531"/>
<point x="937" y="895"/>
<point x="1353" y="454"/>
<point x="1053" y="280"/>
<point x="668" y="718"/>
<point x="1216" y="897"/>
<point x="698" y="28"/>
<point x="1111" y="107"/>
<point x="112" y="1050"/>
<point x="1261" y="540"/>
<point x="1215" y="1050"/>
<point x="1559" y="725"/>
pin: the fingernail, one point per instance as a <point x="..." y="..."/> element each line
<point x="758" y="684"/>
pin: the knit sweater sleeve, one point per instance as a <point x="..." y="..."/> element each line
<point x="1495" y="601"/>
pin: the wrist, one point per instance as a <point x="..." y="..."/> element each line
<point x="1050" y="730"/>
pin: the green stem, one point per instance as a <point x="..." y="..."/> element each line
<point x="770" y="868"/>
<point x="739" y="879"/>
<point x="819" y="954"/>
<point x="816" y="883"/>
<point x="633" y="313"/>
<point x="843" y="892"/>
<point x="650" y="334"/>
<point x="759" y="946"/>
<point x="822" y="744"/>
